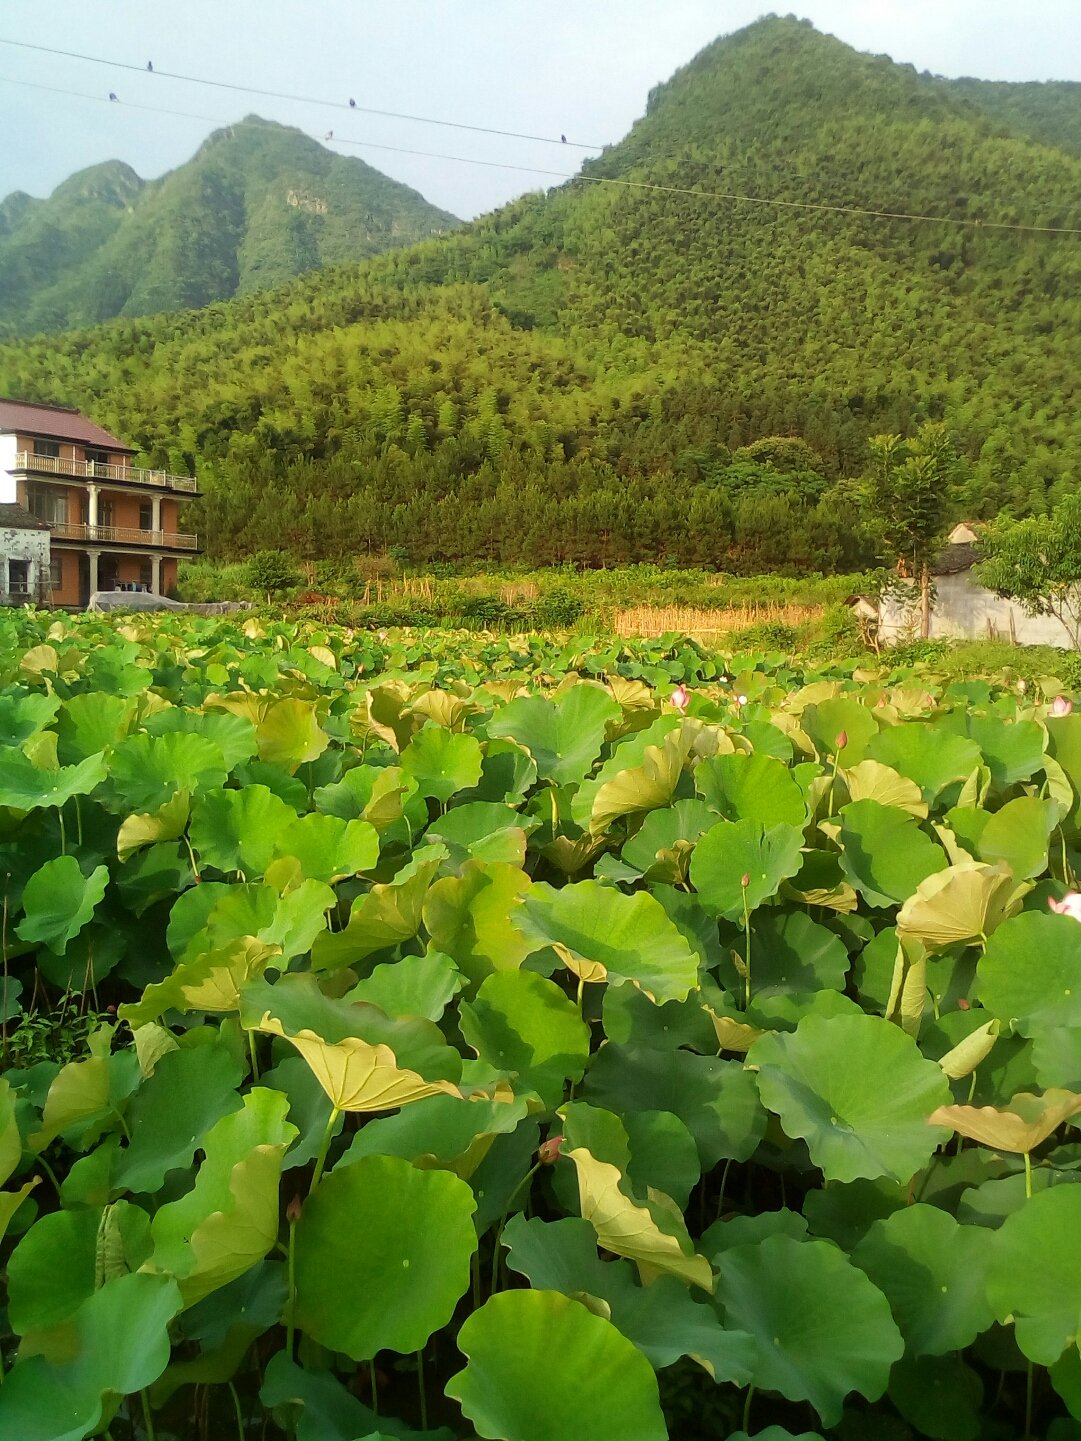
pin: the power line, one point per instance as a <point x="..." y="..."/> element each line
<point x="821" y="207"/>
<point x="300" y="99"/>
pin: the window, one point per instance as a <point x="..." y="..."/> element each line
<point x="56" y="572"/>
<point x="48" y="503"/>
<point x="18" y="577"/>
<point x="47" y="447"/>
<point x="146" y="574"/>
<point x="146" y="515"/>
<point x="96" y="457"/>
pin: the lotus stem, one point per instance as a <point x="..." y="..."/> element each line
<point x="1028" y="1175"/>
<point x="745" y="882"/>
<point x="320" y="1162"/>
<point x="291" y="1299"/>
<point x="747" y="1409"/>
<point x="253" y="1056"/>
<point x="423" y="1393"/>
<point x="375" y="1385"/>
<point x="236" y="1408"/>
<point x="63" y="832"/>
<point x="148" y="1416"/>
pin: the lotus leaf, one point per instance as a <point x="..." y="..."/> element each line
<point x="822" y="1328"/>
<point x="1021" y="1126"/>
<point x="735" y="852"/>
<point x="601" y="934"/>
<point x="238" y="830"/>
<point x="382" y="1256"/>
<point x="857" y="1090"/>
<point x="927" y="754"/>
<point x="59" y="900"/>
<point x="565" y="735"/>
<point x="884" y="853"/>
<point x="521" y="1023"/>
<point x="751" y="787"/>
<point x="441" y="762"/>
<point x="958" y="906"/>
<point x="1030" y="973"/>
<point x="607" y="1390"/>
<point x="1034" y="1278"/>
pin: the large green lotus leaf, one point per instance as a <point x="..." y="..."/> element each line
<point x="632" y="1019"/>
<point x="845" y="1213"/>
<point x="518" y="1022"/>
<point x="211" y="981"/>
<point x="484" y="831"/>
<point x="1030" y="973"/>
<point x="857" y="1090"/>
<point x="660" y="850"/>
<point x="86" y="1098"/>
<point x="735" y="851"/>
<point x="469" y="917"/>
<point x="601" y="934"/>
<point x="173" y="1110"/>
<point x="387" y="915"/>
<point x="927" y="754"/>
<point x="1035" y="1274"/>
<point x="1018" y="834"/>
<point x="167" y="823"/>
<point x="438" y="1132"/>
<point x="791" y="954"/>
<point x="233" y="734"/>
<point x="59" y="901"/>
<point x="229" y="1219"/>
<point x="1013" y="749"/>
<point x="752" y="788"/>
<point x="750" y="1230"/>
<point x="25" y="788"/>
<point x="884" y="853"/>
<point x="940" y="1396"/>
<point x="827" y="721"/>
<point x="119" y="1345"/>
<point x="1056" y="1057"/>
<point x="627" y="792"/>
<point x="565" y="735"/>
<point x="309" y="1108"/>
<point x="328" y="848"/>
<point x="382" y="1256"/>
<point x="414" y="986"/>
<point x="648" y="1233"/>
<point x="145" y="770"/>
<point x="507" y="774"/>
<point x="933" y="1272"/>
<point x="520" y="1340"/>
<point x="442" y="762"/>
<point x="238" y="830"/>
<point x="23" y="713"/>
<point x="662" y="1319"/>
<point x="288" y="734"/>
<point x="664" y="1155"/>
<point x="1064" y="747"/>
<point x="87" y="724"/>
<point x="822" y="1328"/>
<point x="958" y="906"/>
<point x="53" y="1269"/>
<point x="717" y="1100"/>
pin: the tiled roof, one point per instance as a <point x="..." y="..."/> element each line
<point x="57" y="423"/>
<point x="17" y="517"/>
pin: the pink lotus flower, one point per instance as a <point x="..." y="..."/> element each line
<point x="1060" y="706"/>
<point x="1070" y="905"/>
<point x="681" y="698"/>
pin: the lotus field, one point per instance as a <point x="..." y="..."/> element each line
<point x="449" y="1037"/>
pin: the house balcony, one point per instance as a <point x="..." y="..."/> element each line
<point x="124" y="535"/>
<point x="94" y="470"/>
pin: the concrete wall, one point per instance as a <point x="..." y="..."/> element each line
<point x="965" y="610"/>
<point x="31" y="546"/>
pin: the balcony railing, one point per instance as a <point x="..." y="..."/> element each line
<point x="96" y="470"/>
<point x="125" y="535"/>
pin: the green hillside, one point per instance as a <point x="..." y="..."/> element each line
<point x="586" y="375"/>
<point x="257" y="205"/>
<point x="1048" y="111"/>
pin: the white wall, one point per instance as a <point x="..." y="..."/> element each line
<point x="29" y="545"/>
<point x="965" y="610"/>
<point x="7" y="465"/>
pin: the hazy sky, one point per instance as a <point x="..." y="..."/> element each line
<point x="581" y="67"/>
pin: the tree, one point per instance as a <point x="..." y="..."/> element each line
<point x="910" y="497"/>
<point x="270" y="571"/>
<point x="1037" y="562"/>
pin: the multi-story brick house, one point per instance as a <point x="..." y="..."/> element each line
<point x="111" y="525"/>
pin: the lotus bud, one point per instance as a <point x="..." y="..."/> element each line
<point x="293" y="1210"/>
<point x="1060" y="706"/>
<point x="963" y="1004"/>
<point x="548" y="1151"/>
<point x="1022" y="686"/>
<point x="1070" y="905"/>
<point x="842" y="740"/>
<point x="681" y="697"/>
<point x="745" y="880"/>
<point x="741" y="700"/>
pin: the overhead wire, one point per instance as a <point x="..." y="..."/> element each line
<point x="821" y="207"/>
<point x="300" y="99"/>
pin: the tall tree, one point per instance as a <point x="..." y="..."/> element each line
<point x="1037" y="562"/>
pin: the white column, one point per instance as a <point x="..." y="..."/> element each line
<point x="155" y="574"/>
<point x="155" y="524"/>
<point x="93" y="571"/>
<point x="92" y="516"/>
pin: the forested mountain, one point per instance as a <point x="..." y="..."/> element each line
<point x="593" y="374"/>
<point x="1047" y="111"/>
<point x="257" y="205"/>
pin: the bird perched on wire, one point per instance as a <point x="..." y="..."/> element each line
<point x="329" y="135"/>
<point x="113" y="95"/>
<point x="150" y="66"/>
<point x="352" y="103"/>
<point x="564" y="139"/>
